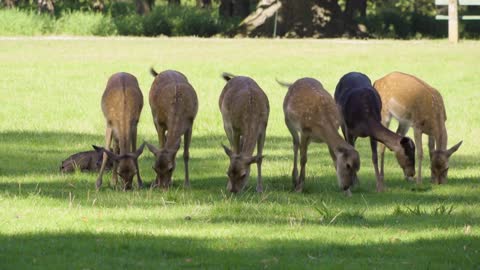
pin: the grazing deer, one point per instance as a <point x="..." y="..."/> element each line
<point x="360" y="106"/>
<point x="85" y="161"/>
<point x="122" y="104"/>
<point x="415" y="103"/>
<point x="245" y="109"/>
<point x="311" y="115"/>
<point x="174" y="107"/>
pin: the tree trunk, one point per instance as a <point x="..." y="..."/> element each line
<point x="98" y="5"/>
<point x="296" y="18"/>
<point x="204" y="3"/>
<point x="354" y="9"/>
<point x="234" y="8"/>
<point x="10" y="3"/>
<point x="46" y="5"/>
<point x="144" y="6"/>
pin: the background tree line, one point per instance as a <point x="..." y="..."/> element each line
<point x="293" y="18"/>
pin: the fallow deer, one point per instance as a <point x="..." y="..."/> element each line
<point x="415" y="103"/>
<point x="245" y="109"/>
<point x="122" y="104"/>
<point x="360" y="107"/>
<point x="311" y="115"/>
<point x="174" y="106"/>
<point x="85" y="161"/>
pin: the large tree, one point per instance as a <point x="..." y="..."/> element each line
<point x="235" y="8"/>
<point x="204" y="3"/>
<point x="46" y="6"/>
<point x="144" y="6"/>
<point x="304" y="18"/>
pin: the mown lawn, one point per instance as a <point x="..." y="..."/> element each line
<point x="50" y="92"/>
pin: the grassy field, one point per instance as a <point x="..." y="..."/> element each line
<point x="50" y="91"/>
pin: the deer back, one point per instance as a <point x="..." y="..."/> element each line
<point x="409" y="98"/>
<point x="244" y="104"/>
<point x="310" y="107"/>
<point x="122" y="104"/>
<point x="173" y="100"/>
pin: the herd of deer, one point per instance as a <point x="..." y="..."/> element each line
<point x="311" y="115"/>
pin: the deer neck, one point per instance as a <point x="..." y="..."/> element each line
<point x="334" y="140"/>
<point x="385" y="136"/>
<point x="441" y="138"/>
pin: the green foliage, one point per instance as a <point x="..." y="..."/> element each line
<point x="15" y="22"/>
<point x="130" y="25"/>
<point x="82" y="23"/>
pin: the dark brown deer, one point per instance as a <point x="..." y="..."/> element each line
<point x="85" y="161"/>
<point x="311" y="115"/>
<point x="415" y="103"/>
<point x="122" y="104"/>
<point x="245" y="109"/>
<point x="174" y="106"/>
<point x="360" y="106"/>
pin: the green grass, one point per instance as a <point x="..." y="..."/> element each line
<point x="50" y="92"/>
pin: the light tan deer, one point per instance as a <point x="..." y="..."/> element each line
<point x="122" y="104"/>
<point x="174" y="106"/>
<point x="245" y="109"/>
<point x="415" y="103"/>
<point x="311" y="115"/>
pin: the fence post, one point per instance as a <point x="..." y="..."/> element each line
<point x="453" y="21"/>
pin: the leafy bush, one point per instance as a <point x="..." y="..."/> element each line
<point x="121" y="9"/>
<point x="156" y="22"/>
<point x="130" y="25"/>
<point x="82" y="23"/>
<point x="15" y="22"/>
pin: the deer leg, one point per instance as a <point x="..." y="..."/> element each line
<point x="386" y="119"/>
<point x="260" y="144"/>
<point x="296" y="143"/>
<point x="431" y="146"/>
<point x="378" y="175"/>
<point x="134" y="148"/>
<point x="186" y="154"/>
<point x="108" y="140"/>
<point x="116" y="150"/>
<point x="304" y="141"/>
<point x="418" y="144"/>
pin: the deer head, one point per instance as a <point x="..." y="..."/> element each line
<point x="348" y="164"/>
<point x="126" y="164"/>
<point x="164" y="164"/>
<point x="439" y="163"/>
<point x="239" y="169"/>
<point x="406" y="157"/>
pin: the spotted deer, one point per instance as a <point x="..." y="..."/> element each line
<point x="360" y="106"/>
<point x="245" y="109"/>
<point x="174" y="106"/>
<point x="416" y="104"/>
<point x="122" y="104"/>
<point x="311" y="115"/>
<point x="85" y="161"/>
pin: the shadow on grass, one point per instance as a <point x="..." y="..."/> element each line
<point x="107" y="251"/>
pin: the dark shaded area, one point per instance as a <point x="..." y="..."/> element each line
<point x="94" y="251"/>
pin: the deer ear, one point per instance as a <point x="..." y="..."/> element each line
<point x="406" y="141"/>
<point x="110" y="154"/>
<point x="227" y="151"/>
<point x="255" y="159"/>
<point x="139" y="150"/>
<point x="454" y="148"/>
<point x="152" y="148"/>
<point x="97" y="149"/>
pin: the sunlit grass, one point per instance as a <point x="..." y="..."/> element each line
<point x="50" y="92"/>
